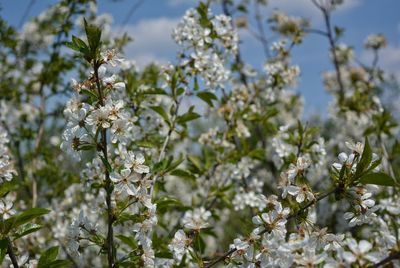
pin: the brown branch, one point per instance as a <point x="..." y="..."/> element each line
<point x="108" y="184"/>
<point x="11" y="254"/>
<point x="388" y="259"/>
<point x="332" y="43"/>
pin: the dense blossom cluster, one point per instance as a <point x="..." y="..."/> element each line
<point x="6" y="165"/>
<point x="201" y="44"/>
<point x="204" y="162"/>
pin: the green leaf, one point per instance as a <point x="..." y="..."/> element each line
<point x="7" y="186"/>
<point x="72" y="46"/>
<point x="165" y="202"/>
<point x="258" y="153"/>
<point x="146" y="144"/>
<point x="28" y="215"/>
<point x="378" y="178"/>
<point x="106" y="164"/>
<point x="79" y="43"/>
<point x="183" y="174"/>
<point x="188" y="116"/>
<point x="129" y="241"/>
<point x="339" y="31"/>
<point x="3" y="249"/>
<point x="59" y="264"/>
<point x="93" y="35"/>
<point x="156" y="91"/>
<point x="180" y="91"/>
<point x="175" y="164"/>
<point x="160" y="110"/>
<point x="365" y="160"/>
<point x="27" y="229"/>
<point x="164" y="255"/>
<point x="208" y="97"/>
<point x="195" y="161"/>
<point x="198" y="244"/>
<point x="89" y="93"/>
<point x="48" y="257"/>
<point x="6" y="225"/>
<point x="86" y="147"/>
<point x="196" y="84"/>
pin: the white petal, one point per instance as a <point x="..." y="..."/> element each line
<point x="343" y="157"/>
<point x="141" y="169"/>
<point x="364" y="246"/>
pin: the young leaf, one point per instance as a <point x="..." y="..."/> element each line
<point x="89" y="93"/>
<point x="183" y="174"/>
<point x="79" y="43"/>
<point x="129" y="241"/>
<point x="164" y="202"/>
<point x="208" y="97"/>
<point x="164" y="255"/>
<point x="195" y="161"/>
<point x="365" y="160"/>
<point x="48" y="257"/>
<point x="189" y="116"/>
<point x="27" y="229"/>
<point x="160" y="110"/>
<point x="72" y="46"/>
<point x="106" y="164"/>
<point x="93" y="35"/>
<point x="7" y="186"/>
<point x="198" y="243"/>
<point x="378" y="178"/>
<point x="3" y="249"/>
<point x="29" y="215"/>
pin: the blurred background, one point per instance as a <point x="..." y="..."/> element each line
<point x="150" y="23"/>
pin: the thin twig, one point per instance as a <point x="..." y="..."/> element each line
<point x="388" y="259"/>
<point x="332" y="43"/>
<point x="11" y="254"/>
<point x="261" y="31"/>
<point x="26" y="13"/>
<point x="131" y="11"/>
<point x="108" y="184"/>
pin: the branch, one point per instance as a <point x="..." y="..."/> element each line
<point x="233" y="250"/>
<point x="11" y="254"/>
<point x="329" y="35"/>
<point x="108" y="184"/>
<point x="260" y="27"/>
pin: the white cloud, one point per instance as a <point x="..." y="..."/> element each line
<point x="152" y="41"/>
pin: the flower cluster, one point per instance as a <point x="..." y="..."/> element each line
<point x="6" y="166"/>
<point x="200" y="39"/>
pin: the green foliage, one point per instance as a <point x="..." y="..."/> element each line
<point x="365" y="160"/>
<point x="377" y="178"/>
<point x="15" y="221"/>
<point x="27" y="229"/>
<point x="208" y="97"/>
<point x="48" y="259"/>
<point x="90" y="51"/>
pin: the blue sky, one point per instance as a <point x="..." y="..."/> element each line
<point x="152" y="22"/>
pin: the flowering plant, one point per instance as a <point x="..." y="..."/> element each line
<point x="116" y="168"/>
